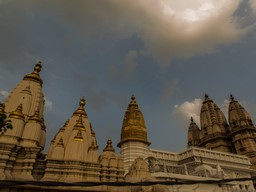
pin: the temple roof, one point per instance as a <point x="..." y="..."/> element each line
<point x="238" y="116"/>
<point x="211" y="114"/>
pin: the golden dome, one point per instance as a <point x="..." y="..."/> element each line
<point x="134" y="128"/>
<point x="17" y="114"/>
<point x="34" y="76"/>
<point x="80" y="110"/>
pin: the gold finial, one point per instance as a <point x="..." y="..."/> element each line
<point x="17" y="114"/>
<point x="34" y="76"/>
<point x="82" y="102"/>
<point x="133" y="101"/>
<point x="38" y="67"/>
<point x="78" y="136"/>
<point x="80" y="110"/>
<point x="109" y="146"/>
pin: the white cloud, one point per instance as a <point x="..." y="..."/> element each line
<point x="48" y="104"/>
<point x="169" y="28"/>
<point x="224" y="107"/>
<point x="186" y="110"/>
<point x="253" y="5"/>
<point x="3" y="95"/>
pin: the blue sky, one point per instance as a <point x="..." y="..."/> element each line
<point x="167" y="53"/>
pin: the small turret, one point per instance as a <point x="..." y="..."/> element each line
<point x="109" y="146"/>
<point x="111" y="164"/>
<point x="193" y="134"/>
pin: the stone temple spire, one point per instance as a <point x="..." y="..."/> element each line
<point x="238" y="116"/>
<point x="214" y="127"/>
<point x="134" y="141"/>
<point x="24" y="107"/>
<point x="243" y="132"/>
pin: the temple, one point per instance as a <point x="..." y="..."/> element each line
<point x="220" y="151"/>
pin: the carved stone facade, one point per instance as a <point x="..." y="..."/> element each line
<point x="238" y="136"/>
<point x="73" y="155"/>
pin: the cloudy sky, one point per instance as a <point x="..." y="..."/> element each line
<point x="168" y="53"/>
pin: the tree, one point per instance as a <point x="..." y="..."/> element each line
<point x="4" y="122"/>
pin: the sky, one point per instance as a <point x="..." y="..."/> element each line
<point x="168" y="53"/>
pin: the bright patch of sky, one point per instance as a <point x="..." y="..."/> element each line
<point x="196" y="10"/>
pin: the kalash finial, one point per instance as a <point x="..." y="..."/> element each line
<point x="232" y="97"/>
<point x="34" y="76"/>
<point x="109" y="146"/>
<point x="38" y="67"/>
<point x="80" y="110"/>
<point x="206" y="96"/>
<point x="82" y="102"/>
<point x="133" y="101"/>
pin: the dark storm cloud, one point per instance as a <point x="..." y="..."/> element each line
<point x="165" y="34"/>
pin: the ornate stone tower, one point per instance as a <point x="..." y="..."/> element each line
<point x="214" y="127"/>
<point x="112" y="168"/>
<point x="21" y="147"/>
<point x="193" y="134"/>
<point x="134" y="141"/>
<point x="243" y="132"/>
<point x="74" y="146"/>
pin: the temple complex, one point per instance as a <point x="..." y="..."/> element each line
<point x="220" y="151"/>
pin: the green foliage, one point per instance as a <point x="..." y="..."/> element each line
<point x="4" y="122"/>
